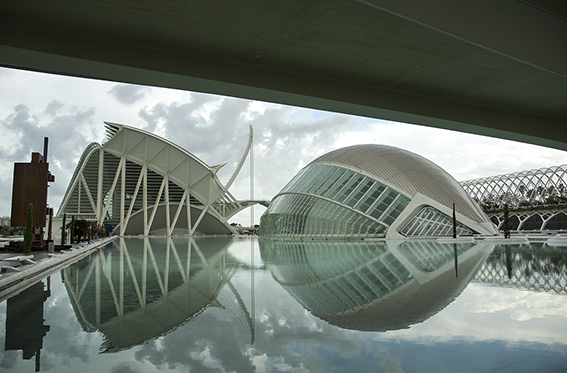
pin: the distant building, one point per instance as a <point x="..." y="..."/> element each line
<point x="30" y="186"/>
<point x="367" y="191"/>
<point x="536" y="199"/>
<point x="140" y="183"/>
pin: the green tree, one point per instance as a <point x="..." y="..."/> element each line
<point x="28" y="236"/>
<point x="64" y="230"/>
<point x="72" y="233"/>
<point x="50" y="225"/>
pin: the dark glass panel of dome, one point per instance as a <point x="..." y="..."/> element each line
<point x="349" y="187"/>
<point x="305" y="215"/>
<point x="331" y="182"/>
<point x="432" y="222"/>
<point x="340" y="184"/>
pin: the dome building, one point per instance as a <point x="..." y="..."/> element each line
<point x="366" y="191"/>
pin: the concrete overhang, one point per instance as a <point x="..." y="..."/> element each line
<point x="484" y="67"/>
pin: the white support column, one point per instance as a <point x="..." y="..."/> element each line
<point x="112" y="188"/>
<point x="179" y="208"/>
<point x="199" y="218"/>
<point x="133" y="201"/>
<point x="123" y="196"/>
<point x="156" y="204"/>
<point x="251" y="184"/>
<point x="99" y="217"/>
<point x="167" y="218"/>
<point x="145" y="201"/>
<point x="204" y="211"/>
<point x="189" y="225"/>
<point x="88" y="193"/>
<point x="79" y="196"/>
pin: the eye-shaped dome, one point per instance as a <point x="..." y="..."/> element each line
<point x="372" y="191"/>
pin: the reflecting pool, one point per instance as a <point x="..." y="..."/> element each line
<point x="249" y="305"/>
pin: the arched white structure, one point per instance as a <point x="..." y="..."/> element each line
<point x="143" y="184"/>
<point x="530" y="188"/>
<point x="537" y="199"/>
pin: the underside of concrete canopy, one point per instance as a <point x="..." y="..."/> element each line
<point x="484" y="67"/>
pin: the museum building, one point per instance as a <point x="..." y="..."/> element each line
<point x="139" y="183"/>
<point x="366" y="191"/>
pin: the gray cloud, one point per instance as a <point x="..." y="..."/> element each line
<point x="185" y="124"/>
<point x="128" y="94"/>
<point x="282" y="142"/>
<point x="53" y="107"/>
<point x="9" y="358"/>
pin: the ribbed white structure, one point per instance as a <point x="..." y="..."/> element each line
<point x="537" y="199"/>
<point x="142" y="184"/>
<point x="543" y="186"/>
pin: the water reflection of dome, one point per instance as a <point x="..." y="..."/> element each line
<point x="373" y="286"/>
<point x="146" y="288"/>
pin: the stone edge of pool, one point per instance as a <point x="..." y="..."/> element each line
<point x="45" y="264"/>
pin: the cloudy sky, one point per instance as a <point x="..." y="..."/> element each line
<point x="71" y="111"/>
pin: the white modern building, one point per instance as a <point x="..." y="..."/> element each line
<point x="140" y="183"/>
<point x="365" y="191"/>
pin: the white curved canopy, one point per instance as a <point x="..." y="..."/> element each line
<point x="145" y="184"/>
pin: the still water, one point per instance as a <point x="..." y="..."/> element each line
<point x="249" y="305"/>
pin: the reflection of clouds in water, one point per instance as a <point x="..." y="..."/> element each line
<point x="207" y="360"/>
<point x="124" y="368"/>
<point x="204" y="344"/>
<point x="289" y="338"/>
<point x="390" y="364"/>
<point x="263" y="363"/>
<point x="65" y="343"/>
<point x="510" y="315"/>
<point x="523" y="305"/>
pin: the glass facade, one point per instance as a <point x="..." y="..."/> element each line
<point x="432" y="222"/>
<point x="332" y="201"/>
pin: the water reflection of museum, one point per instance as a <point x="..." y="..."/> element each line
<point x="141" y="289"/>
<point x="145" y="288"/>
